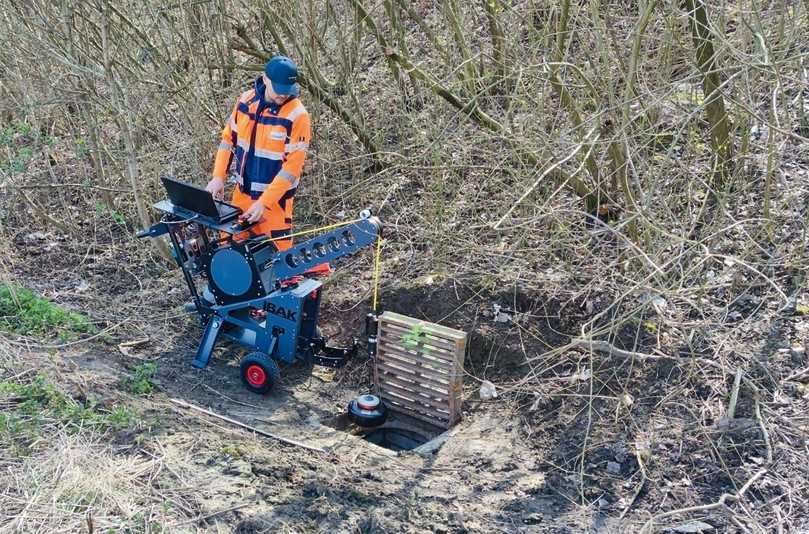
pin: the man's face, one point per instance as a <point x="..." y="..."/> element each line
<point x="270" y="95"/>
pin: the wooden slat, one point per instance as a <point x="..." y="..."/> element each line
<point x="417" y="357"/>
<point x="432" y="328"/>
<point x="441" y="365"/>
<point x="438" y="354"/>
<point x="416" y="406"/>
<point x="416" y="391"/>
<point x="431" y="352"/>
<point x="434" y="420"/>
<point x="393" y="394"/>
<point x="417" y="400"/>
<point x="428" y="339"/>
<point x="402" y="365"/>
<point x="428" y="366"/>
<point x="387" y="369"/>
<point x="449" y="344"/>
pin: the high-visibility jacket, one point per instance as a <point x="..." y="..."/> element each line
<point x="266" y="144"/>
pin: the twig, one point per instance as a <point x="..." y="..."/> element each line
<point x="641" y="485"/>
<point x="764" y="432"/>
<point x="30" y="345"/>
<point x="603" y="346"/>
<point x="705" y="507"/>
<point x="185" y="404"/>
<point x="734" y="394"/>
<point x="228" y="398"/>
<point x="214" y="514"/>
<point x="546" y="172"/>
<point x="57" y="185"/>
<point x="796" y="375"/>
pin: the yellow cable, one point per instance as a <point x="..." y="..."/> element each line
<point x="377" y="268"/>
<point x="313" y="231"/>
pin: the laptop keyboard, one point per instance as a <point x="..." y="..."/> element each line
<point x="224" y="209"/>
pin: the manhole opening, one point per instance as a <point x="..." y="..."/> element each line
<point x="398" y="433"/>
<point x="396" y="439"/>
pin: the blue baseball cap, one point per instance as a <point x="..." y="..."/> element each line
<point x="283" y="73"/>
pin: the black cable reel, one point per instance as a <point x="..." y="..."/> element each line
<point x="367" y="411"/>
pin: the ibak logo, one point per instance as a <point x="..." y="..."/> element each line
<point x="280" y="311"/>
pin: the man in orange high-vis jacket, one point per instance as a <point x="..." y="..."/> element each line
<point x="265" y="142"/>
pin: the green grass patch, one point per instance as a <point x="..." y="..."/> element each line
<point x="36" y="409"/>
<point x="141" y="382"/>
<point x="24" y="312"/>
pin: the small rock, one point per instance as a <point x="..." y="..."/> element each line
<point x="34" y="237"/>
<point x="614" y="468"/>
<point x="693" y="527"/>
<point x="659" y="304"/>
<point x="500" y="316"/>
<point x="487" y="390"/>
<point x="532" y="519"/>
<point x="797" y="351"/>
<point x="582" y="376"/>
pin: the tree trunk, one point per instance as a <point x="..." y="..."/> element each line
<point x="714" y="102"/>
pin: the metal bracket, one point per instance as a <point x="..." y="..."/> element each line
<point x="334" y="357"/>
<point x="156" y="230"/>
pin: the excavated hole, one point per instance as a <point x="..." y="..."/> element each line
<point x="399" y="433"/>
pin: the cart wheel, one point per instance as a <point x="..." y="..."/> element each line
<point x="259" y="372"/>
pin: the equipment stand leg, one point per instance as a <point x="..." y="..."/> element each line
<point x="208" y="340"/>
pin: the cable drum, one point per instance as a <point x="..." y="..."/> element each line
<point x="367" y="411"/>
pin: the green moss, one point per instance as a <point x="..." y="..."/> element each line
<point x="23" y="312"/>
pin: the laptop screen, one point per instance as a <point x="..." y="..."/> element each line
<point x="190" y="197"/>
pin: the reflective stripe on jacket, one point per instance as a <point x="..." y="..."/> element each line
<point x="266" y="144"/>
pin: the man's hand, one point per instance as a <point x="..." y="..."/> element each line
<point x="216" y="187"/>
<point x="254" y="212"/>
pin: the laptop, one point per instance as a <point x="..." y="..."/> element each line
<point x="198" y="200"/>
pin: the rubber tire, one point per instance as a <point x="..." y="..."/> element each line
<point x="376" y="418"/>
<point x="271" y="371"/>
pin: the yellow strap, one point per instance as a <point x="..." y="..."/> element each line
<point x="377" y="269"/>
<point x="313" y="231"/>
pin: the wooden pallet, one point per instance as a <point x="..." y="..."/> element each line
<point x="419" y="368"/>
